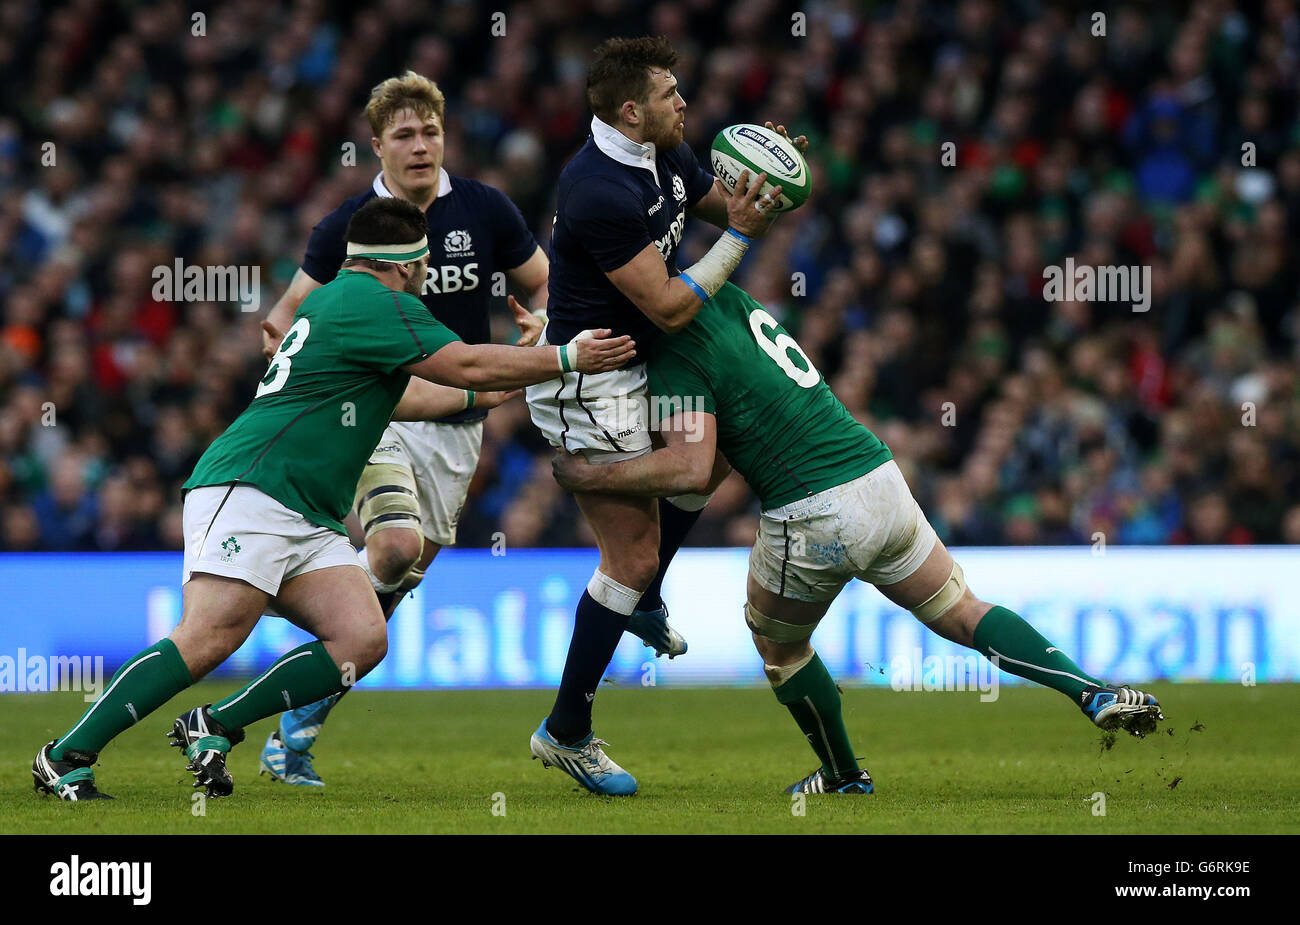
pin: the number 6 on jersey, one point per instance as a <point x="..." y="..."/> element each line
<point x="779" y="348"/>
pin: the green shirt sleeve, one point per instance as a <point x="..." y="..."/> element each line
<point x="397" y="329"/>
<point x="676" y="381"/>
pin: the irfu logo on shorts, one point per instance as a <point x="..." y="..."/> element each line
<point x="231" y="547"/>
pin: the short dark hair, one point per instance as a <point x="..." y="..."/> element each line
<point x="387" y="221"/>
<point x="621" y="72"/>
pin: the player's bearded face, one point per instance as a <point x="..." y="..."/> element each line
<point x="665" y="111"/>
<point x="411" y="151"/>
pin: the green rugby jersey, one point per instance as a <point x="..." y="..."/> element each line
<point x="779" y="424"/>
<point x="326" y="398"/>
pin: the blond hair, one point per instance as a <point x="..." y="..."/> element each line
<point x="396" y="94"/>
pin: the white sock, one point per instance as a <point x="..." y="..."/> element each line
<point x="609" y="593"/>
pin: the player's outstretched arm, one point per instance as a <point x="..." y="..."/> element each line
<point x="427" y="401"/>
<point x="280" y="317"/>
<point x="497" y="366"/>
<point x="671" y="302"/>
<point x="684" y="466"/>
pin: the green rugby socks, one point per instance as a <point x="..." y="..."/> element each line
<point x="813" y="700"/>
<point x="1005" y="638"/>
<point x="148" y="680"/>
<point x="299" y="677"/>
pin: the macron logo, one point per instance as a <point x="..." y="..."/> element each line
<point x="103" y="878"/>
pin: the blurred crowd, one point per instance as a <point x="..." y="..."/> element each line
<point x="135" y="133"/>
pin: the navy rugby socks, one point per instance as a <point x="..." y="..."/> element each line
<point x="596" y="632"/>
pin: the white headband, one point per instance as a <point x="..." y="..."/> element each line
<point x="390" y="253"/>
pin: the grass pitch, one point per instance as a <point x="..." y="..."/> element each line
<point x="707" y="761"/>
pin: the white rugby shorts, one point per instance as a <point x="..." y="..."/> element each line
<point x="870" y="528"/>
<point x="238" y="531"/>
<point x="603" y="415"/>
<point x="442" y="459"/>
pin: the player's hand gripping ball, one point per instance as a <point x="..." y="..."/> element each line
<point x="762" y="150"/>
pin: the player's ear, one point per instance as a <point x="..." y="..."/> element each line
<point x="374" y="146"/>
<point x="631" y="113"/>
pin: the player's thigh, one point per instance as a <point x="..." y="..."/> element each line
<point x="781" y="627"/>
<point x="335" y="604"/>
<point x="217" y="615"/>
<point x="916" y="572"/>
<point x="215" y="603"/>
<point x="961" y="609"/>
<point x="921" y="585"/>
<point x="626" y="529"/>
<point x="620" y="519"/>
<point x="785" y="609"/>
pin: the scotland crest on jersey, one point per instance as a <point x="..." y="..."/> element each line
<point x="459" y="243"/>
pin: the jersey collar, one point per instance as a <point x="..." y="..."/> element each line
<point x="618" y="146"/>
<point x="444" y="185"/>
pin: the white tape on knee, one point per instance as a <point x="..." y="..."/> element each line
<point x="779" y="674"/>
<point x="386" y="498"/>
<point x="775" y="630"/>
<point x="609" y="593"/>
<point x="943" y="600"/>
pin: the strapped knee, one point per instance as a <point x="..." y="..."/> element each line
<point x="414" y="575"/>
<point x="386" y="498"/>
<point x="944" y="599"/>
<point x="780" y="674"/>
<point x="763" y="625"/>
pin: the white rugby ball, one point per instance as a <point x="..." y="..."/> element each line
<point x="762" y="150"/>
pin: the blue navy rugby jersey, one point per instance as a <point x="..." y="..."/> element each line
<point x="607" y="211"/>
<point x="474" y="231"/>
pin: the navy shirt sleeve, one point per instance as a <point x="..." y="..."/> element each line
<point x="698" y="180"/>
<point x="326" y="248"/>
<point x="606" y="219"/>
<point x="514" y="243"/>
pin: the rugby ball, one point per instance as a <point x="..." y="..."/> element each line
<point x="758" y="149"/>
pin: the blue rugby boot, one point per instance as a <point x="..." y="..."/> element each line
<point x="1123" y="707"/>
<point x="585" y="761"/>
<point x="287" y="766"/>
<point x="821" y="782"/>
<point x="651" y="627"/>
<point x="299" y="728"/>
